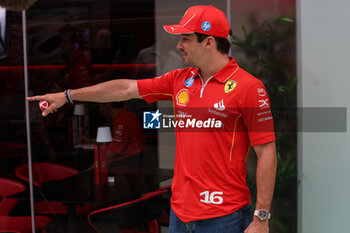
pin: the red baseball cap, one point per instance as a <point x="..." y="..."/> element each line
<point x="207" y="20"/>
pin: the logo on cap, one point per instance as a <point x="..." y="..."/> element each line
<point x="206" y="26"/>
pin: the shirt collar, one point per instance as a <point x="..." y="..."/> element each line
<point x="227" y="71"/>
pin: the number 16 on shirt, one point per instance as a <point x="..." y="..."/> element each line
<point x="212" y="198"/>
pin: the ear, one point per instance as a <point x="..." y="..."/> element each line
<point x="210" y="42"/>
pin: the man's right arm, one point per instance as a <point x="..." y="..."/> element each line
<point x="110" y="91"/>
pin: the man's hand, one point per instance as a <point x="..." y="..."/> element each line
<point x="258" y="226"/>
<point x="55" y="100"/>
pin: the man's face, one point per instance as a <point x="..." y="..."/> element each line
<point x="191" y="49"/>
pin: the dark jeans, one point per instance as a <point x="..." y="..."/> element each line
<point x="236" y="222"/>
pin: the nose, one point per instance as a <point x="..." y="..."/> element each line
<point x="179" y="45"/>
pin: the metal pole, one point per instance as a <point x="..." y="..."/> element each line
<point x="228" y="15"/>
<point x="29" y="148"/>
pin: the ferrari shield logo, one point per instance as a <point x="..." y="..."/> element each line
<point x="230" y="86"/>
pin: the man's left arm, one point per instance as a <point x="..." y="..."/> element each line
<point x="265" y="182"/>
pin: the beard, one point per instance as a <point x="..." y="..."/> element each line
<point x="189" y="62"/>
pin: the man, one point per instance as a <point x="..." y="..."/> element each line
<point x="127" y="136"/>
<point x="209" y="190"/>
<point x="77" y="72"/>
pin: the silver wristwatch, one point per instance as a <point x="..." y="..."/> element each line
<point x="262" y="214"/>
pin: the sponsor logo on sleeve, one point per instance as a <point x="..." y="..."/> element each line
<point x="263" y="103"/>
<point x="261" y="92"/>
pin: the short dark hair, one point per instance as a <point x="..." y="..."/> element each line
<point x="223" y="45"/>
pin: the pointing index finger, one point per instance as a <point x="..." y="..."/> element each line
<point x="35" y="98"/>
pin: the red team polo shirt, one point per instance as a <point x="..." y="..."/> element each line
<point x="78" y="72"/>
<point x="127" y="134"/>
<point x="211" y="163"/>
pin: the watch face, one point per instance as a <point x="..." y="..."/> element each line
<point x="262" y="214"/>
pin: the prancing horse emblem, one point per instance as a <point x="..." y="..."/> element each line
<point x="230" y="85"/>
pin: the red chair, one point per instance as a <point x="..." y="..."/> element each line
<point x="11" y="231"/>
<point x="22" y="224"/>
<point x="7" y="147"/>
<point x="7" y="188"/>
<point x="16" y="224"/>
<point x="3" y="163"/>
<point x="45" y="172"/>
<point x="137" y="216"/>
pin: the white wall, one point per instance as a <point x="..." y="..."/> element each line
<point x="324" y="158"/>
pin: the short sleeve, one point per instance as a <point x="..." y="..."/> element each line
<point x="158" y="88"/>
<point x="257" y="115"/>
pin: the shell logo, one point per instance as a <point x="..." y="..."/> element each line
<point x="182" y="97"/>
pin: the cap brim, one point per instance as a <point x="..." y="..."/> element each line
<point x="177" y="29"/>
